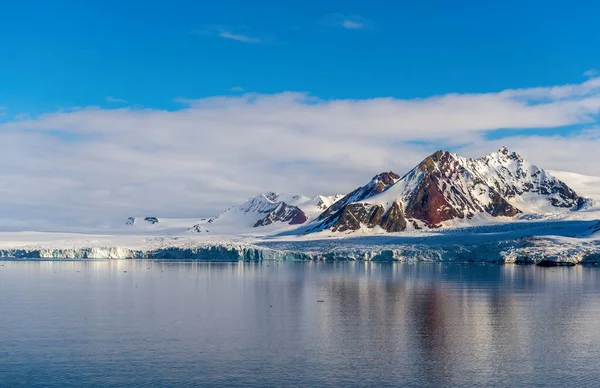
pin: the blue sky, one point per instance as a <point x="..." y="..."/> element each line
<point x="111" y="109"/>
<point x="76" y="53"/>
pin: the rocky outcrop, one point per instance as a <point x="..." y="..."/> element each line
<point x="283" y="212"/>
<point x="378" y="184"/>
<point x="356" y="215"/>
<point x="323" y="203"/>
<point x="150" y="220"/>
<point x="198" y="228"/>
<point x="393" y="220"/>
<point x="352" y="216"/>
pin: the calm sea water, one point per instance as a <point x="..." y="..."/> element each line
<point x="138" y="323"/>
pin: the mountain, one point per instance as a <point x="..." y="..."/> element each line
<point x="446" y="188"/>
<point x="271" y="209"/>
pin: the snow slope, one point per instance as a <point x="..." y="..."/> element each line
<point x="588" y="186"/>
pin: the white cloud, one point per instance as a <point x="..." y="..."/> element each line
<point x="351" y="22"/>
<point x="236" y="89"/>
<point x="227" y="32"/>
<point x="239" y="37"/>
<point x="590" y="73"/>
<point x="115" y="100"/>
<point x="95" y="163"/>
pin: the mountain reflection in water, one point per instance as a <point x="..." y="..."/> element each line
<point x="123" y="323"/>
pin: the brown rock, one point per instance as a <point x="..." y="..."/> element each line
<point x="393" y="220"/>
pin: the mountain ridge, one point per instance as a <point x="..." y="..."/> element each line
<point x="446" y="187"/>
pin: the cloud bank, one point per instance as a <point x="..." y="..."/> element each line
<point x="90" y="165"/>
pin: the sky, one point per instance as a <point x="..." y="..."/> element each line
<point x="116" y="108"/>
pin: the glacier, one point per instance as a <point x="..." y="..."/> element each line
<point x="561" y="242"/>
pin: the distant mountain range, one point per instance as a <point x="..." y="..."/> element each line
<point x="443" y="190"/>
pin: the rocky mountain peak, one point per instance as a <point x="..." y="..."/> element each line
<point x="378" y="184"/>
<point x="439" y="160"/>
<point x="504" y="154"/>
<point x="274" y="208"/>
<point x="514" y="177"/>
<point x="446" y="187"/>
<point x="271" y="196"/>
<point x="382" y="181"/>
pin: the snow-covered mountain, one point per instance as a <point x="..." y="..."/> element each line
<point x="269" y="209"/>
<point x="448" y="189"/>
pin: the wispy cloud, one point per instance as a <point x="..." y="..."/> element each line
<point x="196" y="160"/>
<point x="2" y="110"/>
<point x="351" y="22"/>
<point x="236" y="89"/>
<point x="115" y="100"/>
<point x="227" y="32"/>
<point x="590" y="73"/>
<point x="239" y="37"/>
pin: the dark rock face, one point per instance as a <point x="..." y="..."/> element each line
<point x="292" y="215"/>
<point x="440" y="196"/>
<point x="355" y="215"/>
<point x="500" y="207"/>
<point x="130" y="221"/>
<point x="393" y="220"/>
<point x="563" y="195"/>
<point x="378" y="184"/>
<point x="382" y="181"/>
<point x="427" y="201"/>
<point x="351" y="217"/>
